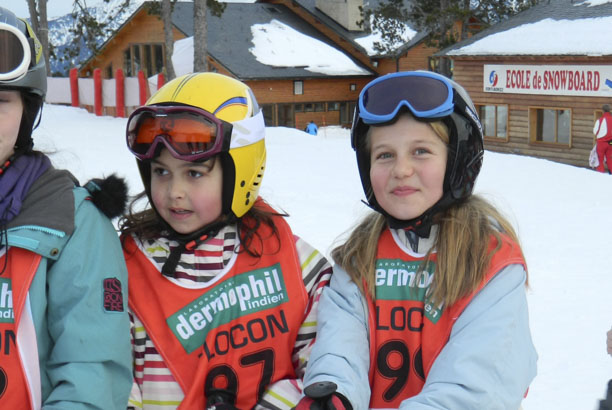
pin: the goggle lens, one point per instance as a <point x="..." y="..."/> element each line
<point x="12" y="52"/>
<point x="426" y="95"/>
<point x="189" y="134"/>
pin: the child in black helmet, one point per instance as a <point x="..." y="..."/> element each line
<point x="426" y="307"/>
<point x="223" y="295"/>
<point x="64" y="327"/>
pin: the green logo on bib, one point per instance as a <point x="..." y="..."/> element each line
<point x="241" y="295"/>
<point x="401" y="280"/>
<point x="6" y="301"/>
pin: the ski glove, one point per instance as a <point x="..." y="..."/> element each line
<point x="220" y="400"/>
<point x="323" y="396"/>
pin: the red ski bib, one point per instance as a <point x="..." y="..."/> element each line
<point x="238" y="333"/>
<point x="406" y="331"/>
<point x="15" y="389"/>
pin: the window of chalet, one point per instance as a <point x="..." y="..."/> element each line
<point x="268" y="113"/>
<point x="433" y="63"/>
<point x="347" y="109"/>
<point x="109" y="71"/>
<point x="550" y="126"/>
<point x="127" y="62"/>
<point x="146" y="57"/>
<point x="299" y="108"/>
<point x="494" y="120"/>
<point x="309" y="107"/>
<point x="319" y="107"/>
<point x="136" y="64"/>
<point x="333" y="106"/>
<point x="298" y="87"/>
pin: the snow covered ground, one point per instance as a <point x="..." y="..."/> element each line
<point x="563" y="215"/>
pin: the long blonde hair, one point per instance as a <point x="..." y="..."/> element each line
<point x="462" y="245"/>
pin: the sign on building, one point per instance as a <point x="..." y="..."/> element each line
<point x="574" y="80"/>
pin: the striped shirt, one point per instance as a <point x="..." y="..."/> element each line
<point x="154" y="386"/>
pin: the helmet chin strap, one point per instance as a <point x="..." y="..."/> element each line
<point x="188" y="241"/>
<point x="421" y="225"/>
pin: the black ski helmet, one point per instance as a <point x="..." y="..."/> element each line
<point x="465" y="153"/>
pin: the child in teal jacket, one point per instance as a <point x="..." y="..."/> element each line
<point x="64" y="327"/>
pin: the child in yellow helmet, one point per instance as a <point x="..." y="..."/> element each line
<point x="223" y="295"/>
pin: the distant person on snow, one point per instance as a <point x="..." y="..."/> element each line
<point x="64" y="326"/>
<point x="603" y="131"/>
<point x="312" y="128"/>
<point x="223" y="295"/>
<point x="427" y="304"/>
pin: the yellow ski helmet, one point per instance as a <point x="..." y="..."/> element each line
<point x="242" y="151"/>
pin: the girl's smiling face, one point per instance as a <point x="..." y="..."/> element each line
<point x="187" y="195"/>
<point x="408" y="163"/>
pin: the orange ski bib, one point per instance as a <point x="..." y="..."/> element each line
<point x="236" y="335"/>
<point x="408" y="332"/>
<point x="14" y="287"/>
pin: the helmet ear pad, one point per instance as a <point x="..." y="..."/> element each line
<point x="229" y="178"/>
<point x="464" y="157"/>
<point x="32" y="106"/>
<point x="144" y="168"/>
<point x="360" y="145"/>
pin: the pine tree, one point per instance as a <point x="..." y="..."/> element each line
<point x="200" y="30"/>
<point x="437" y="18"/>
<point x="40" y="25"/>
<point x="200" y="34"/>
<point x="88" y="31"/>
<point x="164" y="11"/>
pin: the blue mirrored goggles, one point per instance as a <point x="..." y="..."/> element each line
<point x="425" y="94"/>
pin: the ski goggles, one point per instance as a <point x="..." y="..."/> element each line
<point x="425" y="94"/>
<point x="15" y="52"/>
<point x="189" y="133"/>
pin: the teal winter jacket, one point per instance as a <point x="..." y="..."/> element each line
<point x="83" y="344"/>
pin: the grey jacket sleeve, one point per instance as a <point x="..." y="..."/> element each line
<point x="489" y="360"/>
<point x="341" y="353"/>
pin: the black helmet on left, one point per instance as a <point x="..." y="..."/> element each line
<point x="22" y="68"/>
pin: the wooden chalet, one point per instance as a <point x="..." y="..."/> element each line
<point x="289" y="96"/>
<point x="538" y="104"/>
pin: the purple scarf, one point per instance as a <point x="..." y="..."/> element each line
<point x="16" y="182"/>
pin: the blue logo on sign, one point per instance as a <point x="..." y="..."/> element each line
<point x="493" y="78"/>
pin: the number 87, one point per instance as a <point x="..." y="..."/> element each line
<point x="265" y="357"/>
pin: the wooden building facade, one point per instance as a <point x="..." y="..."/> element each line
<point x="290" y="96"/>
<point x="540" y="99"/>
<point x="556" y="123"/>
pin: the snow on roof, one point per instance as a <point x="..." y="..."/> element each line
<point x="548" y="37"/>
<point x="277" y="44"/>
<point x="592" y="3"/>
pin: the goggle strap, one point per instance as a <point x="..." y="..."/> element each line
<point x="248" y="131"/>
<point x="32" y="52"/>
